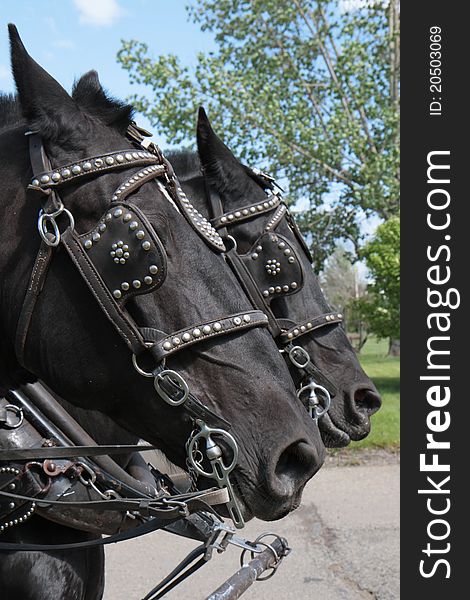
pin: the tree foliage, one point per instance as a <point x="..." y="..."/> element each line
<point x="381" y="306"/>
<point x="306" y="89"/>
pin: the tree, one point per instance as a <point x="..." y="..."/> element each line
<point x="344" y="287"/>
<point x="306" y="89"/>
<point x="381" y="306"/>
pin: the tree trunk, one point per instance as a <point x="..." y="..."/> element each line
<point x="394" y="347"/>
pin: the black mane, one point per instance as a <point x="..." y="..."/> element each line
<point x="90" y="97"/>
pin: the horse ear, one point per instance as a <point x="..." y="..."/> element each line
<point x="89" y="94"/>
<point x="218" y="162"/>
<point x="42" y="99"/>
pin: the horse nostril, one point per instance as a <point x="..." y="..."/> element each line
<point x="296" y="465"/>
<point x="367" y="401"/>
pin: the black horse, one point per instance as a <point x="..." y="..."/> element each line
<point x="215" y="170"/>
<point x="77" y="351"/>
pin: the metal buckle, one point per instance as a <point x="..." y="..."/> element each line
<point x="174" y="378"/>
<point x="298" y="352"/>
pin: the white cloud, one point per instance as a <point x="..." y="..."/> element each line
<point x="99" y="13"/>
<point x="4" y="72"/>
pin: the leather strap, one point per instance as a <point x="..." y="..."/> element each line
<point x="297" y="330"/>
<point x="167" y="345"/>
<point x="35" y="286"/>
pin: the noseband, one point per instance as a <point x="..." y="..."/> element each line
<point x="122" y="257"/>
<point x="272" y="269"/>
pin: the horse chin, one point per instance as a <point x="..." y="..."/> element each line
<point x="332" y="436"/>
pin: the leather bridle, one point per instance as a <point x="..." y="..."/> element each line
<point x="272" y="269"/>
<point x="122" y="257"/>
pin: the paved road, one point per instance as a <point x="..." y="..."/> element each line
<point x="344" y="538"/>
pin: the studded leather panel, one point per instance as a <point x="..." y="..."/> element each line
<point x="275" y="266"/>
<point x="126" y="252"/>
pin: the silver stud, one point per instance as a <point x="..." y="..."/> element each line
<point x="291" y="259"/>
<point x="217" y="326"/>
<point x="55" y="176"/>
<point x="230" y="217"/>
<point x="120" y="158"/>
<point x="87" y="166"/>
<point x="254" y="256"/>
<point x="287" y="251"/>
<point x="197" y="332"/>
<point x="117" y="213"/>
<point x="148" y="280"/>
<point x="252" y="209"/>
<point x="109" y="160"/>
<point x="102" y="227"/>
<point x="294" y="285"/>
<point x="45" y="179"/>
<point x="108" y="217"/>
<point x="265" y="293"/>
<point x="271" y="290"/>
<point x="237" y="321"/>
<point x="135" y="155"/>
<point x="119" y="252"/>
<point x="133" y="225"/>
<point x="117" y="294"/>
<point x="281" y="245"/>
<point x="76" y="169"/>
<point x="116" y="260"/>
<point x="278" y="289"/>
<point x="98" y="162"/>
<point x="167" y="346"/>
<point x="296" y="332"/>
<point x="290" y="335"/>
<point x="259" y="248"/>
<point x="146" y="245"/>
<point x="309" y="325"/>
<point x="186" y="337"/>
<point x="327" y="318"/>
<point x="302" y="328"/>
<point x="207" y="329"/>
<point x="140" y="234"/>
<point x="238" y="214"/>
<point x="136" y="283"/>
<point x="88" y="244"/>
<point x="259" y="207"/>
<point x="153" y="269"/>
<point x="246" y="318"/>
<point x="125" y="286"/>
<point x="96" y="237"/>
<point x="285" y="288"/>
<point x="126" y="254"/>
<point x="340" y="316"/>
<point x="11" y="505"/>
<point x="245" y="211"/>
<point x="176" y="341"/>
<point x="128" y="156"/>
<point x="35" y="182"/>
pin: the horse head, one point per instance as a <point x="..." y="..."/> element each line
<point x="247" y="211"/>
<point x="129" y="270"/>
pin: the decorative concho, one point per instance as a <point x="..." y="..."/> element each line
<point x="126" y="252"/>
<point x="275" y="266"/>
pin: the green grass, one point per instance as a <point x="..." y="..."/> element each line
<point x="385" y="372"/>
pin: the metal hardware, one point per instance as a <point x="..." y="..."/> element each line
<point x="315" y="406"/>
<point x="175" y="379"/>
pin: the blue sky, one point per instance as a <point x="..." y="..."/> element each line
<point x="70" y="37"/>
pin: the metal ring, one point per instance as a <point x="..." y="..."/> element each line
<point x="305" y="355"/>
<point x="136" y="366"/>
<point x="175" y="378"/>
<point x="18" y="411"/>
<point x="43" y="219"/>
<point x="206" y="432"/>
<point x="234" y="242"/>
